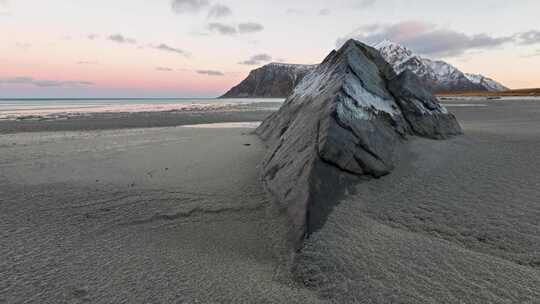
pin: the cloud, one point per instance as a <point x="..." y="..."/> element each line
<point x="44" y="83"/>
<point x="230" y="30"/>
<point x="250" y="27"/>
<point x="219" y="11"/>
<point x="530" y="37"/>
<point x="164" y="69"/>
<point x="535" y="54"/>
<point x="88" y="62"/>
<point x="210" y="72"/>
<point x="364" y="3"/>
<point x="119" y="38"/>
<point x="325" y="12"/>
<point x="166" y="48"/>
<point x="425" y="38"/>
<point x="4" y="5"/>
<point x="295" y="11"/>
<point x="23" y="45"/>
<point x="257" y="59"/>
<point x="188" y="6"/>
<point x="222" y="29"/>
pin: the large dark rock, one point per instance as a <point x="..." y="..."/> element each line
<point x="343" y="121"/>
<point x="274" y="80"/>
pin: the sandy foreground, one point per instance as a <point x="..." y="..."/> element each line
<point x="177" y="215"/>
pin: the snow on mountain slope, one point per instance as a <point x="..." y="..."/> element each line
<point x="490" y="84"/>
<point x="438" y="75"/>
<point x="277" y="80"/>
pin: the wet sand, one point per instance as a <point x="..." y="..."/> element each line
<point x="114" y="121"/>
<point x="177" y="215"/>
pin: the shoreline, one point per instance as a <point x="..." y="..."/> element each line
<point x="114" y="121"/>
<point x="534" y="92"/>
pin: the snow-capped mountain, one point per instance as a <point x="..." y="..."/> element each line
<point x="279" y="79"/>
<point x="437" y="75"/>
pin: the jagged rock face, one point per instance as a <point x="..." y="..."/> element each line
<point x="342" y="121"/>
<point x="436" y="75"/>
<point x="421" y="109"/>
<point x="274" y="80"/>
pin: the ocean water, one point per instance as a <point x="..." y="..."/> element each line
<point x="62" y="108"/>
<point x="12" y="109"/>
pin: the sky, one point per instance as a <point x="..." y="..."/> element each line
<point x="200" y="48"/>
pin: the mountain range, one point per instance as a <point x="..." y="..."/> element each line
<point x="277" y="80"/>
<point x="437" y="75"/>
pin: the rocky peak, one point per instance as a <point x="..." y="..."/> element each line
<point x="438" y="75"/>
<point x="344" y="120"/>
<point x="394" y="53"/>
<point x="292" y="66"/>
<point x="273" y="80"/>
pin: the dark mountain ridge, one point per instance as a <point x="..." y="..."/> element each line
<point x="274" y="80"/>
